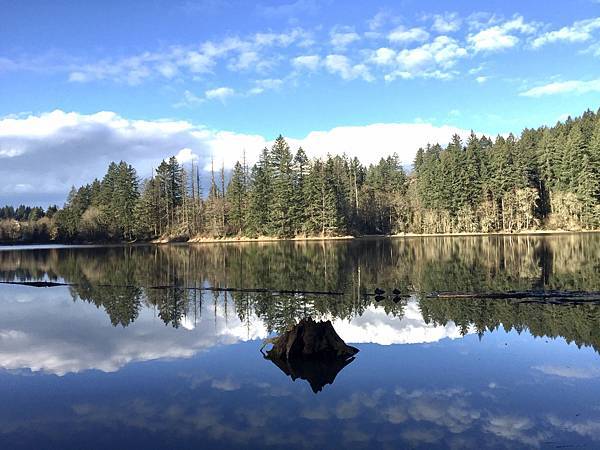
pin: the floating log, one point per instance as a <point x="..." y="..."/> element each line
<point x="208" y="289"/>
<point x="558" y="297"/>
<point x="36" y="283"/>
<point x="533" y="296"/>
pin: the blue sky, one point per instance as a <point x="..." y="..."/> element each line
<point x="234" y="74"/>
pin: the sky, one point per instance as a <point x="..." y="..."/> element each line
<point x="85" y="83"/>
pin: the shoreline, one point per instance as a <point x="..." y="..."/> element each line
<point x="261" y="239"/>
<point x="371" y="236"/>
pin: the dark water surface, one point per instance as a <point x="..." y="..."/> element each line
<point x="137" y="353"/>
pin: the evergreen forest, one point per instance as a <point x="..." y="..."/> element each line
<point x="547" y="178"/>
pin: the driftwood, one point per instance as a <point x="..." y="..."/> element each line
<point x="206" y="289"/>
<point x="36" y="283"/>
<point x="556" y="297"/>
<point x="311" y="351"/>
<point x="533" y="296"/>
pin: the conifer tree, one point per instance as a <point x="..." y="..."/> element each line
<point x="236" y="199"/>
<point x="281" y="162"/>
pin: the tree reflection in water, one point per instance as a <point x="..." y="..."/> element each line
<point x="123" y="280"/>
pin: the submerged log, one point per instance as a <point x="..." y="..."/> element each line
<point x="311" y="351"/>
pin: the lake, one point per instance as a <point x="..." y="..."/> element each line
<point x="160" y="346"/>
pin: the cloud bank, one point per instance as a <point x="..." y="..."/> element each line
<point x="42" y="156"/>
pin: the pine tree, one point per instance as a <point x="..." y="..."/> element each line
<point x="236" y="199"/>
<point x="259" y="222"/>
<point x="298" y="206"/>
<point x="281" y="161"/>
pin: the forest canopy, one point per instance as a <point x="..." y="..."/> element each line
<point x="548" y="178"/>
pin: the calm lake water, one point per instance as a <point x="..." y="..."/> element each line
<point x="138" y="353"/>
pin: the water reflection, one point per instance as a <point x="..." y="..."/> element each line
<point x="113" y="362"/>
<point x="46" y="330"/>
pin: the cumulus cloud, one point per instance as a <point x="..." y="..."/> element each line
<point x="369" y="143"/>
<point x="431" y="60"/>
<point x="516" y="428"/>
<point x="580" y="31"/>
<point x="220" y="93"/>
<point x="341" y="39"/>
<point x="383" y="56"/>
<point x="446" y="23"/>
<point x="61" y="149"/>
<point x="186" y="155"/>
<point x="376" y="326"/>
<point x="308" y="62"/>
<point x="261" y="86"/>
<point x="342" y="66"/>
<point x="499" y="37"/>
<point x="563" y="87"/>
<point x="244" y="61"/>
<point x="416" y="51"/>
<point x="402" y="35"/>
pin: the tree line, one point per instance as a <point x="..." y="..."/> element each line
<point x="548" y="177"/>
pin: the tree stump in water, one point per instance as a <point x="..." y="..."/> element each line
<point x="311" y="351"/>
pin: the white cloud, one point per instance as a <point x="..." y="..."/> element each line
<point x="378" y="20"/>
<point x="343" y="39"/>
<point x="341" y="65"/>
<point x="186" y="155"/>
<point x="578" y="32"/>
<point x="252" y="52"/>
<point x="481" y="79"/>
<point x="402" y="35"/>
<point x="244" y="61"/>
<point x="581" y="373"/>
<point x="383" y="56"/>
<point x="371" y="142"/>
<point x="446" y="23"/>
<point x="499" y="37"/>
<point x="196" y="62"/>
<point x="270" y="83"/>
<point x="36" y="146"/>
<point x="376" y="326"/>
<point x="189" y="99"/>
<point x="584" y="427"/>
<point x="220" y="93"/>
<point x="261" y="86"/>
<point x="51" y="350"/>
<point x="563" y="87"/>
<point x="225" y="385"/>
<point x="433" y="59"/>
<point x="308" y="62"/>
<point x="167" y="70"/>
<point x="515" y="428"/>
